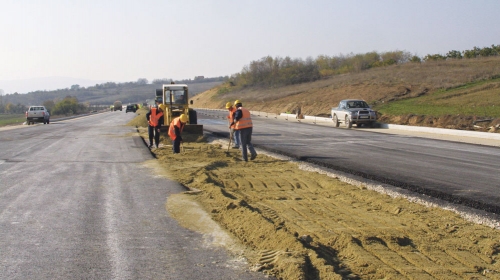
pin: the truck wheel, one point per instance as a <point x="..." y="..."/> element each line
<point x="348" y="122"/>
<point x="335" y="121"/>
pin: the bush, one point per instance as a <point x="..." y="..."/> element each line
<point x="68" y="106"/>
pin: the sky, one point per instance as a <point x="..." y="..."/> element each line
<point x="94" y="41"/>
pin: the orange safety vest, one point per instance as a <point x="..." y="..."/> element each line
<point x="230" y="116"/>
<point x="245" y="121"/>
<point x="154" y="117"/>
<point x="171" y="130"/>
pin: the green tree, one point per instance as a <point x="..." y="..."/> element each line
<point x="454" y="54"/>
<point x="395" y="57"/>
<point x="49" y="105"/>
<point x="415" y="59"/>
<point x="471" y="53"/>
<point x="68" y="106"/>
<point x="484" y="52"/>
<point x="434" y="57"/>
<point x="8" y="107"/>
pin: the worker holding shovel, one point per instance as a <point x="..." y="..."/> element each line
<point x="155" y="119"/>
<point x="175" y="130"/>
<point x="234" y="134"/>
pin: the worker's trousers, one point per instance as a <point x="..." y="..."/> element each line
<point x="246" y="143"/>
<point x="176" y="147"/>
<point x="236" y="137"/>
<point x="153" y="133"/>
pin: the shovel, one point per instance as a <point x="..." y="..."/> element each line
<point x="229" y="145"/>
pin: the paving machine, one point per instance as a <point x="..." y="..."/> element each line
<point x="174" y="101"/>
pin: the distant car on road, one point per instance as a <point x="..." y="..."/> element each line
<point x="131" y="108"/>
<point x="117" y="106"/>
<point x="37" y="114"/>
<point x="353" y="111"/>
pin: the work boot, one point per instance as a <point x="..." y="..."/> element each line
<point x="150" y="146"/>
<point x="252" y="157"/>
<point x="236" y="147"/>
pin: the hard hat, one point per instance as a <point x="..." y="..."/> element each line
<point x="229" y="105"/>
<point x="237" y="102"/>
<point x="183" y="118"/>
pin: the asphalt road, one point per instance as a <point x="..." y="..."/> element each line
<point x="76" y="202"/>
<point x="461" y="173"/>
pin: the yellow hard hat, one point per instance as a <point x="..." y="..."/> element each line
<point x="229" y="105"/>
<point x="183" y="118"/>
<point x="237" y="102"/>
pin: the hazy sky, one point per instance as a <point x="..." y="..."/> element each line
<point x="124" y="40"/>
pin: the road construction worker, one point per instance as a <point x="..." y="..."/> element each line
<point x="155" y="119"/>
<point x="175" y="130"/>
<point x="243" y="122"/>
<point x="235" y="134"/>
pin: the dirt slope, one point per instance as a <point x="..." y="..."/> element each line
<point x="300" y="223"/>
<point x="376" y="86"/>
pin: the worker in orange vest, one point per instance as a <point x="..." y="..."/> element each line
<point x="242" y="121"/>
<point x="175" y="130"/>
<point x="155" y="119"/>
<point x="235" y="134"/>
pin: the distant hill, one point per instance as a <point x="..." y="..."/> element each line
<point x="43" y="84"/>
<point x="103" y="94"/>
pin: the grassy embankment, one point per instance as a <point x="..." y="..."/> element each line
<point x="12" y="119"/>
<point x="476" y="98"/>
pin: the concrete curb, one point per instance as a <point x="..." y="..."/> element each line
<point x="435" y="130"/>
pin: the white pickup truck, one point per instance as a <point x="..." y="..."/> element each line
<point x="353" y="111"/>
<point x="37" y="114"/>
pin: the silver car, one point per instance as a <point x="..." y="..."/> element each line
<point x="353" y="111"/>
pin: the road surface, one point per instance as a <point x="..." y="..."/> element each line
<point x="78" y="202"/>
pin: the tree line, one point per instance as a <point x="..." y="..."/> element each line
<point x="472" y="53"/>
<point x="9" y="108"/>
<point x="278" y="71"/>
<point x="68" y="106"/>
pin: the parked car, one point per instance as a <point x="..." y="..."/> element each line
<point x="131" y="108"/>
<point x="353" y="111"/>
<point x="37" y="114"/>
